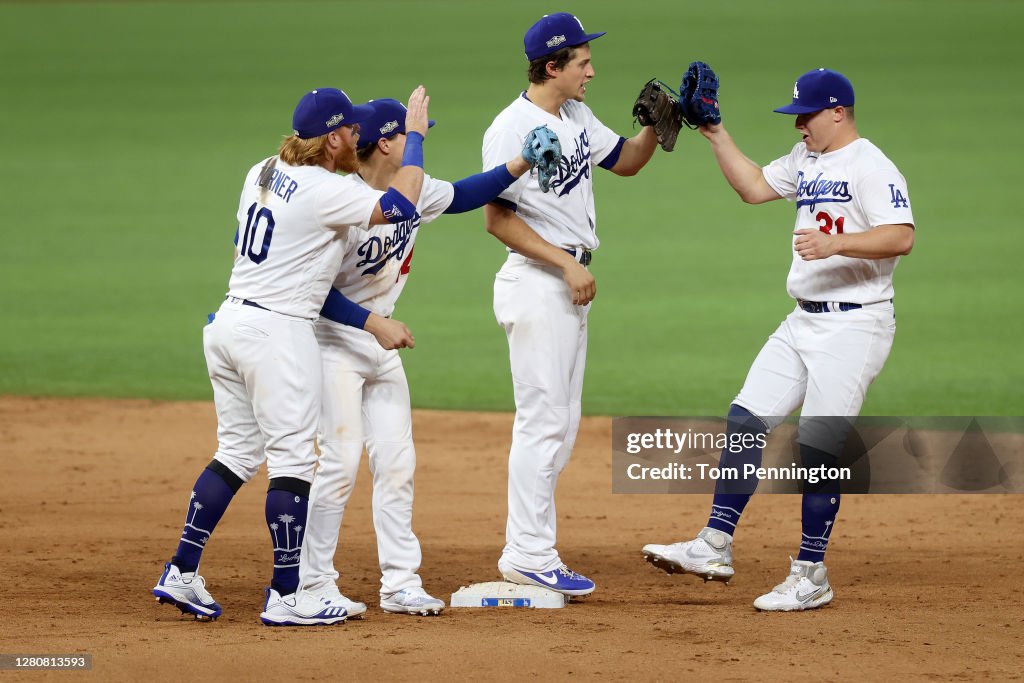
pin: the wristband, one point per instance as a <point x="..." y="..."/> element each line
<point x="413" y="155"/>
<point x="340" y="309"/>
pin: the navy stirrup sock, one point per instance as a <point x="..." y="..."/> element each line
<point x="731" y="496"/>
<point x="287" y="506"/>
<point x="211" y="495"/>
<point x="819" y="507"/>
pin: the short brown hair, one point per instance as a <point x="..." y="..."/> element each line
<point x="364" y="153"/>
<point x="295" y="151"/>
<point x="537" y="72"/>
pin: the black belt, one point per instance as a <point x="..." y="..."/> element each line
<point x="585" y="259"/>
<point x="246" y="302"/>
<point x="826" y="306"/>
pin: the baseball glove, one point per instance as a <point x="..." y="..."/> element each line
<point x="698" y="96"/>
<point x="657" y="106"/>
<point x="543" y="151"/>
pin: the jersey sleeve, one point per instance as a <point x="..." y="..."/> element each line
<point x="884" y="198"/>
<point x="500" y="145"/>
<point x="346" y="203"/>
<point x="781" y="174"/>
<point x="604" y="142"/>
<point x="435" y="197"/>
<point x="245" y="199"/>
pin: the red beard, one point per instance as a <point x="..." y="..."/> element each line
<point x="345" y="160"/>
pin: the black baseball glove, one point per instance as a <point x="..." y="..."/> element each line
<point x="698" y="96"/>
<point x="658" y="107"/>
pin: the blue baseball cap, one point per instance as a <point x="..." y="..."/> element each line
<point x="322" y="110"/>
<point x="387" y="119"/>
<point x="817" y="90"/>
<point x="553" y="32"/>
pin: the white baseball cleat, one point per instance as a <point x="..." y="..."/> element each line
<point x="186" y="591"/>
<point x="806" y="587"/>
<point x="301" y="609"/>
<point x="709" y="556"/>
<point x="412" y="601"/>
<point x="335" y="597"/>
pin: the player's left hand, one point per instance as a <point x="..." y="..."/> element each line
<point x="812" y="244"/>
<point x="416" y="116"/>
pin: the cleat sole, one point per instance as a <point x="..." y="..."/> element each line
<point x="670" y="567"/>
<point x="186" y="608"/>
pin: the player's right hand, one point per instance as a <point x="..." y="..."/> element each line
<point x="582" y="285"/>
<point x="390" y="334"/>
<point x="416" y="118"/>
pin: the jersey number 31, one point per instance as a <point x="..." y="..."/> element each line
<point x="252" y="228"/>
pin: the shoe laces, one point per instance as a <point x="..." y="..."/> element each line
<point x="568" y="573"/>
<point x="412" y="596"/>
<point x="196" y="583"/>
<point x="790" y="581"/>
<point x="787" y="585"/>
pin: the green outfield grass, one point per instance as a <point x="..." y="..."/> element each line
<point x="128" y="127"/>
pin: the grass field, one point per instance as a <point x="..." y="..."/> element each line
<point x="127" y="128"/>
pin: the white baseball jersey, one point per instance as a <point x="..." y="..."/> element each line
<point x="564" y="216"/>
<point x="850" y="190"/>
<point x="366" y="402"/>
<point x="376" y="263"/>
<point x="288" y="246"/>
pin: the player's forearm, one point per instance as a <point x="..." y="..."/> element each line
<point x="517" y="167"/>
<point x="885" y="241"/>
<point x="514" y="233"/>
<point x="474" y="191"/>
<point x="742" y="173"/>
<point x="399" y="201"/>
<point x="342" y="310"/>
<point x="409" y="181"/>
<point x="636" y="152"/>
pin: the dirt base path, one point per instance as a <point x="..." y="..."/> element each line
<point x="926" y="586"/>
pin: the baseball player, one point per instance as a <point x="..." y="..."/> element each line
<point x="542" y="294"/>
<point x="365" y="392"/>
<point x="261" y="350"/>
<point x="853" y="222"/>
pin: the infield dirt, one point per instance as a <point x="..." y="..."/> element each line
<point x="926" y="586"/>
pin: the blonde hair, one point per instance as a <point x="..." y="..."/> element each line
<point x="295" y="151"/>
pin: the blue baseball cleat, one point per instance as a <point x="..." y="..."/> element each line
<point x="561" y="580"/>
<point x="187" y="592"/>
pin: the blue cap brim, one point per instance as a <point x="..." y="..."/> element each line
<point x="372" y="140"/>
<point x="360" y="113"/>
<point x="590" y="36"/>
<point x="797" y="109"/>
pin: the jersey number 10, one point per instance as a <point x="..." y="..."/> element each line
<point x="252" y="227"/>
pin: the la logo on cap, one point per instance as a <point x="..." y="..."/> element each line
<point x="796" y="93"/>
